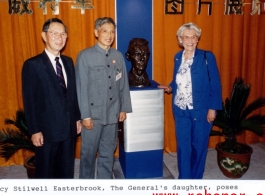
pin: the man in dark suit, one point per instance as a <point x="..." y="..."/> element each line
<point x="50" y="103"/>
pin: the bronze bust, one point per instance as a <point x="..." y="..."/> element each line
<point x="138" y="53"/>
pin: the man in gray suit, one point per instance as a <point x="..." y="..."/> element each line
<point x="104" y="99"/>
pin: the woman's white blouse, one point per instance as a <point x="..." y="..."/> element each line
<point x="183" y="96"/>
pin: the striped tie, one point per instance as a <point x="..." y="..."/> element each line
<point x="60" y="75"/>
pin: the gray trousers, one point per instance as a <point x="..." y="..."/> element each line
<point x="101" y="141"/>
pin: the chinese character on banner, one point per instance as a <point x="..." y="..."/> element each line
<point x="54" y="5"/>
<point x="174" y="6"/>
<point x="19" y="7"/>
<point x="209" y="7"/>
<point x="82" y="5"/>
<point x="234" y="7"/>
<point x="257" y="7"/>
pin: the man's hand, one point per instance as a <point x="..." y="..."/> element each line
<point x="78" y="127"/>
<point x="37" y="139"/>
<point x="122" y="116"/>
<point x="87" y="123"/>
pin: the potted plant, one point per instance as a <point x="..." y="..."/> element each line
<point x="12" y="140"/>
<point x="235" y="118"/>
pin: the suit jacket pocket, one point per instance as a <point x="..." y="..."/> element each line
<point x="96" y="99"/>
<point x="96" y="106"/>
<point x="96" y="112"/>
<point x="98" y="72"/>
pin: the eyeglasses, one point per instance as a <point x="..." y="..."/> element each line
<point x="56" y="34"/>
<point x="186" y="38"/>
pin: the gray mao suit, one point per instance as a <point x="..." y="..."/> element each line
<point x="103" y="92"/>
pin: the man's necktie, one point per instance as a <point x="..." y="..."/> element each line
<point x="60" y="75"/>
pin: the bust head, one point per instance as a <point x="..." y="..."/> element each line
<point x="138" y="53"/>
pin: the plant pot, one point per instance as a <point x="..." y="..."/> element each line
<point x="233" y="165"/>
<point x="29" y="164"/>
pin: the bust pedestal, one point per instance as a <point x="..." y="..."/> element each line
<point x="142" y="139"/>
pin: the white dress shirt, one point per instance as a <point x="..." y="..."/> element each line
<point x="52" y="59"/>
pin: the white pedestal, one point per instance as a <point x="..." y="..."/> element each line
<point x="144" y="127"/>
<point x="141" y="153"/>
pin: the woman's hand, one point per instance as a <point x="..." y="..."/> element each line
<point x="211" y="115"/>
<point x="166" y="88"/>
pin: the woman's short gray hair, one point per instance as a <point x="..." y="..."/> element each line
<point x="189" y="26"/>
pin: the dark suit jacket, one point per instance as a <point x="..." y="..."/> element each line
<point x="46" y="108"/>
